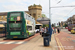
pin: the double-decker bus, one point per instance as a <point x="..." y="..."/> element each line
<point x="20" y="25"/>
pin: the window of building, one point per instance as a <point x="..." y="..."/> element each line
<point x="30" y="14"/>
<point x="1" y="17"/>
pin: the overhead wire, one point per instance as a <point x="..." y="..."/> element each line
<point x="69" y="12"/>
<point x="59" y="1"/>
<point x="62" y="6"/>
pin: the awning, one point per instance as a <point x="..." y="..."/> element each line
<point x="3" y="22"/>
<point x="43" y="20"/>
<point x="1" y="25"/>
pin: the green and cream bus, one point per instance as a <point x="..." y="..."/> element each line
<point x="20" y="25"/>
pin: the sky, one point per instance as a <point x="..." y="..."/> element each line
<point x="57" y="14"/>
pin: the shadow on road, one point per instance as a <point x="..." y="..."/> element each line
<point x="15" y="39"/>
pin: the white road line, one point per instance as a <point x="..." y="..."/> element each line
<point x="2" y="42"/>
<point x="20" y="42"/>
<point x="10" y="42"/>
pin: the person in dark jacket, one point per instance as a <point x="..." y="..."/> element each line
<point x="58" y="30"/>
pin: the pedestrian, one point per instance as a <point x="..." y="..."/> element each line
<point x="41" y="30"/>
<point x="45" y="30"/>
<point x="54" y="30"/>
<point x="58" y="30"/>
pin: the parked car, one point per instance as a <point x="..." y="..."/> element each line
<point x="73" y="30"/>
<point x="69" y="29"/>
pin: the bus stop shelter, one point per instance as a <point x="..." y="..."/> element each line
<point x="44" y="20"/>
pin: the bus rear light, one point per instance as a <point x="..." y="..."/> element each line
<point x="7" y="33"/>
<point x="22" y="33"/>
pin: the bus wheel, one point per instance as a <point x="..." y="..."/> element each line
<point x="27" y="35"/>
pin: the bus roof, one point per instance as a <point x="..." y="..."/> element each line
<point x="15" y="11"/>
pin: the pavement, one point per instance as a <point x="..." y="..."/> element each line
<point x="37" y="44"/>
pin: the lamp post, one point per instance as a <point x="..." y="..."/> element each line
<point x="49" y="11"/>
<point x="50" y="29"/>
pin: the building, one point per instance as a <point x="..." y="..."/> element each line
<point x="35" y="11"/>
<point x="3" y="16"/>
<point x="69" y="21"/>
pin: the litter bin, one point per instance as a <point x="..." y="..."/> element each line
<point x="46" y="39"/>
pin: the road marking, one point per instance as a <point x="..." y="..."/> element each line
<point x="67" y="39"/>
<point x="9" y="42"/>
<point x="59" y="44"/>
<point x="2" y="42"/>
<point x="13" y="42"/>
<point x="20" y="42"/>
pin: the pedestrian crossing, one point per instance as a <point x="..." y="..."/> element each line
<point x="12" y="42"/>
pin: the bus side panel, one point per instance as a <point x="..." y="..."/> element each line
<point x="8" y="25"/>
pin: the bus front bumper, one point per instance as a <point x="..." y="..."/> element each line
<point x="15" y="36"/>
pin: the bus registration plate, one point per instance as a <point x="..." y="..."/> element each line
<point x="15" y="37"/>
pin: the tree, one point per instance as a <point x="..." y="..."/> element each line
<point x="34" y="5"/>
<point x="59" y="23"/>
<point x="53" y="25"/>
<point x="47" y="25"/>
<point x="65" y="25"/>
<point x="43" y="15"/>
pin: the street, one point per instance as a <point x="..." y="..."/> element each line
<point x="66" y="30"/>
<point x="65" y="40"/>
